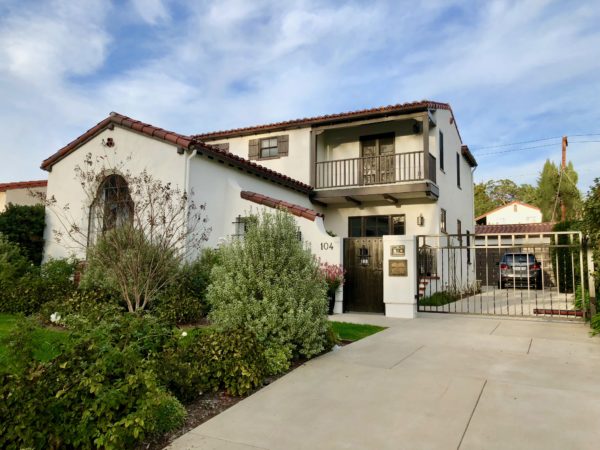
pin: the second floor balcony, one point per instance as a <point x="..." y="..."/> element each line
<point x="375" y="170"/>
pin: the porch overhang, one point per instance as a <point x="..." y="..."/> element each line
<point x="421" y="192"/>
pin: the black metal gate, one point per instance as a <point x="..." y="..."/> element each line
<point x="540" y="275"/>
<point x="363" y="288"/>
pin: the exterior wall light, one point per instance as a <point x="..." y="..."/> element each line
<point x="420" y="220"/>
<point x="363" y="255"/>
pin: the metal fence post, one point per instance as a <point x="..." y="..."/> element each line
<point x="591" y="279"/>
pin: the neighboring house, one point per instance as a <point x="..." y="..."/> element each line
<point x="20" y="193"/>
<point x="531" y="235"/>
<point x="374" y="178"/>
<point x="512" y="213"/>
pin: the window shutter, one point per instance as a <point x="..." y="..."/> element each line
<point x="253" y="148"/>
<point x="283" y="144"/>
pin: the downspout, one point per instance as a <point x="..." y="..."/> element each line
<point x="186" y="183"/>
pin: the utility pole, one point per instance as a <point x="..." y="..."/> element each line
<point x="563" y="166"/>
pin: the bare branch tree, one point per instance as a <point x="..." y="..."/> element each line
<point x="137" y="229"/>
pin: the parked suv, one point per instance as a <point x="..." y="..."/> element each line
<point x="520" y="269"/>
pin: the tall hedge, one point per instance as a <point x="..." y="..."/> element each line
<point x="24" y="225"/>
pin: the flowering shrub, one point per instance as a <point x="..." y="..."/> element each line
<point x="333" y="274"/>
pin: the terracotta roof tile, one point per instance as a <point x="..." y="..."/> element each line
<point x="271" y="202"/>
<point x="328" y="118"/>
<point x="177" y="139"/>
<point x="22" y="185"/>
<point x="513" y="228"/>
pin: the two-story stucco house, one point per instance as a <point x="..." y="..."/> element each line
<point x="362" y="185"/>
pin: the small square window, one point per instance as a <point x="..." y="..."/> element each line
<point x="268" y="148"/>
<point x="241" y="225"/>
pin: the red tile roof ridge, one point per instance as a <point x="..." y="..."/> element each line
<point x="399" y="107"/>
<point x="271" y="202"/>
<point x="22" y="185"/>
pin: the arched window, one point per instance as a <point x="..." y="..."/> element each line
<point x="112" y="206"/>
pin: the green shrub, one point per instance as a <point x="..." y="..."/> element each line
<point x="439" y="299"/>
<point x="100" y="392"/>
<point x="182" y="301"/>
<point x="207" y="360"/>
<point x="270" y="283"/>
<point x="595" y="324"/>
<point x="579" y="302"/>
<point x="24" y="225"/>
<point x="53" y="281"/>
<point x="82" y="304"/>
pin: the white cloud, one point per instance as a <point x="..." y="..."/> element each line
<point x="151" y="11"/>
<point x="511" y="70"/>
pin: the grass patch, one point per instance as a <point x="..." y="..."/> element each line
<point x="353" y="331"/>
<point x="46" y="340"/>
<point x="438" y="299"/>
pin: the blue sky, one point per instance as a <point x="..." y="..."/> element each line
<point x="513" y="71"/>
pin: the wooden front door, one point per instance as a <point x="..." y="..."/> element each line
<point x="363" y="288"/>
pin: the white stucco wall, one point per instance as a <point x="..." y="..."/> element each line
<point x="134" y="151"/>
<point x="296" y="165"/>
<point x="514" y="213"/>
<point x="219" y="187"/>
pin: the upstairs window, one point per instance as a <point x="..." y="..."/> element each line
<point x="441" y="150"/>
<point x="268" y="148"/>
<point x="458" y="170"/>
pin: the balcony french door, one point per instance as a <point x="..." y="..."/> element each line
<point x="378" y="159"/>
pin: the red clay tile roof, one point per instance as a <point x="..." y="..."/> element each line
<point x="515" y="202"/>
<point x="404" y="108"/>
<point x="521" y="228"/>
<point x="109" y="122"/>
<point x="176" y="139"/>
<point x="22" y="185"/>
<point x="271" y="202"/>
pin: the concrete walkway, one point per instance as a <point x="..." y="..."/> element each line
<point x="437" y="382"/>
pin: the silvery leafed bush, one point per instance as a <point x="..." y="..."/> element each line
<point x="269" y="282"/>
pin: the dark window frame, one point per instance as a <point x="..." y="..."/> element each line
<point x="390" y="218"/>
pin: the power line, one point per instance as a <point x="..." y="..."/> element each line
<point x="476" y="148"/>
<point x="530" y="148"/>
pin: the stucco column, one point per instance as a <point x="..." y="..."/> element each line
<point x="399" y="286"/>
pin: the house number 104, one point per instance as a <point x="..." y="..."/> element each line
<point x="326" y="246"/>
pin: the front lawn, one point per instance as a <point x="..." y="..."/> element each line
<point x="353" y="331"/>
<point x="46" y="340"/>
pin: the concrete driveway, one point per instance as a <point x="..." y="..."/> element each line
<point x="437" y="382"/>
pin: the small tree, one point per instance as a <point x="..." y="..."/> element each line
<point x="24" y="225"/>
<point x="139" y="229"/>
<point x="270" y="282"/>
